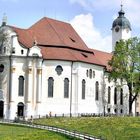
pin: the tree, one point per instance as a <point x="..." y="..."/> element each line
<point x="3" y="38"/>
<point x="125" y="64"/>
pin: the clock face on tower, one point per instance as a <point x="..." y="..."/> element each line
<point x="117" y="29"/>
<point x="127" y="30"/>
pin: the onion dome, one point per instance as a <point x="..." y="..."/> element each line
<point x="121" y="21"/>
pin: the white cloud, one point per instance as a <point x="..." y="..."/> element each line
<point x="131" y="7"/>
<point x="133" y="14"/>
<point x="96" y="4"/>
<point x="85" y="27"/>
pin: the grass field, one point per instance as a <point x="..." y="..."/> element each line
<point x="9" y="132"/>
<point x="116" y="128"/>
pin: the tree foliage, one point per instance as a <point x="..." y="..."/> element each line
<point x="125" y="64"/>
<point x="3" y="38"/>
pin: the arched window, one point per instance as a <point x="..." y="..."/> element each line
<point x="97" y="90"/>
<point x="121" y="97"/>
<point x="20" y="109"/>
<point x="115" y="96"/>
<point x="90" y="73"/>
<point x="87" y="73"/>
<point x="121" y="111"/>
<point x="1" y="68"/>
<point x="109" y="92"/>
<point x="115" y="110"/>
<point x="83" y="88"/>
<point x="21" y="86"/>
<point x="66" y="88"/>
<point x="50" y="86"/>
<point x="1" y="108"/>
<point x="22" y="51"/>
<point x="4" y="49"/>
<point x="93" y="74"/>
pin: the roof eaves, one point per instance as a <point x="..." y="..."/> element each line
<point x="67" y="47"/>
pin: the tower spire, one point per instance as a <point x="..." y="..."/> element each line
<point x="121" y="5"/>
<point x="4" y="19"/>
<point x="121" y="27"/>
<point x="121" y="12"/>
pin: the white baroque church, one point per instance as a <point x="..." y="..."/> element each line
<point x="48" y="68"/>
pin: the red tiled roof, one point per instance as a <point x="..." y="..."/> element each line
<point x="50" y="32"/>
<point x="103" y="57"/>
<point x="58" y="40"/>
<point x="69" y="54"/>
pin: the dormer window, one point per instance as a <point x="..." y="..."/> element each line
<point x="84" y="55"/>
<point x="72" y="39"/>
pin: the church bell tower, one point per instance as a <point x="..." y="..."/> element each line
<point x="121" y="28"/>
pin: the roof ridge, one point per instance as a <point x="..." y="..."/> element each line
<point x="101" y="51"/>
<point x="55" y="31"/>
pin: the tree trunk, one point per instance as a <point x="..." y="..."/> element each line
<point x="130" y="99"/>
<point x="130" y="103"/>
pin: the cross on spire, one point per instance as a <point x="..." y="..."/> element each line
<point x="121" y="4"/>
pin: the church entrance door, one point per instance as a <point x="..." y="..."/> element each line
<point x="1" y="109"/>
<point x="20" y="109"/>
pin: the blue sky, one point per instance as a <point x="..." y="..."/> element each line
<point x="92" y="19"/>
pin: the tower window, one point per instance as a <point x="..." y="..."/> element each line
<point x="117" y="29"/>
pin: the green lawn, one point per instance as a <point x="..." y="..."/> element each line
<point x="9" y="132"/>
<point x="117" y="128"/>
